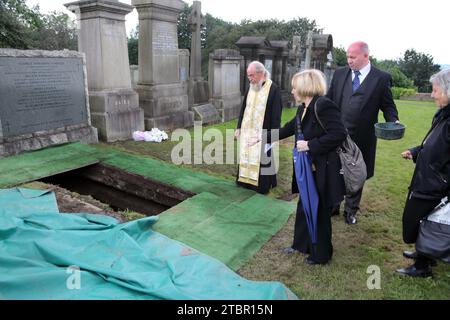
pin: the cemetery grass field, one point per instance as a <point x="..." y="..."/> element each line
<point x="375" y="241"/>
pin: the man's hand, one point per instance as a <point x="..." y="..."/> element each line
<point x="302" y="145"/>
<point x="407" y="155"/>
<point x="237" y="133"/>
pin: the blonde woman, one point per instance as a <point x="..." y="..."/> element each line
<point x="309" y="88"/>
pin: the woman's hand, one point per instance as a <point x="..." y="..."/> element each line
<point x="252" y="141"/>
<point x="407" y="155"/>
<point x="302" y="145"/>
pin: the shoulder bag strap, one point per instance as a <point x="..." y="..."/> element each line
<point x="317" y="117"/>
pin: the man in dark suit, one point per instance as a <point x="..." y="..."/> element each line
<point x="361" y="91"/>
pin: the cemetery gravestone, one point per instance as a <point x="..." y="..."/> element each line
<point x="43" y="100"/>
<point x="161" y="93"/>
<point x="102" y="37"/>
<point x="224" y="82"/>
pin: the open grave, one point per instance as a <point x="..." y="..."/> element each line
<point x="121" y="190"/>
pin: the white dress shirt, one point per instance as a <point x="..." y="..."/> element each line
<point x="364" y="72"/>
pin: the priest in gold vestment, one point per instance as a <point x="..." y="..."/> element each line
<point x="260" y="114"/>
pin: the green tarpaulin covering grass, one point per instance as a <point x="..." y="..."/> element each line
<point x="48" y="255"/>
<point x="34" y="165"/>
<point x="224" y="221"/>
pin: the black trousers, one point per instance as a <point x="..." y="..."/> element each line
<point x="415" y="210"/>
<point x="351" y="202"/>
<point x="323" y="250"/>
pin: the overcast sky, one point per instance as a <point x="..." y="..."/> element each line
<point x="390" y="27"/>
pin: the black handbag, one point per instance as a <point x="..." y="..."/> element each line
<point x="434" y="233"/>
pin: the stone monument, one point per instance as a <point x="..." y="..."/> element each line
<point x="44" y="100"/>
<point x="318" y="49"/>
<point x="161" y="93"/>
<point x="224" y="82"/>
<point x="199" y="88"/>
<point x="102" y="37"/>
<point x="274" y="56"/>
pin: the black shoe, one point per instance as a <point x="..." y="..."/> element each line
<point x="289" y="250"/>
<point x="311" y="261"/>
<point x="413" y="255"/>
<point x="350" y="218"/>
<point x="412" y="271"/>
<point x="335" y="212"/>
<point x="410" y="254"/>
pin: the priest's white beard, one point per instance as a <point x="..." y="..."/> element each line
<point x="257" y="86"/>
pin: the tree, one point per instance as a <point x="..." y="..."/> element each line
<point x="221" y="34"/>
<point x="133" y="47"/>
<point x="25" y="28"/>
<point x="17" y="24"/>
<point x="184" y="32"/>
<point x="419" y="67"/>
<point x="57" y="31"/>
<point x="399" y="79"/>
<point x="340" y="57"/>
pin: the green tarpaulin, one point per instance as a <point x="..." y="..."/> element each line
<point x="223" y="221"/>
<point x="48" y="255"/>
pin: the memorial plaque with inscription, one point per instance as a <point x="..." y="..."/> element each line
<point x="165" y="39"/>
<point x="40" y="94"/>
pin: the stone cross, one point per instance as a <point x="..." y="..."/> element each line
<point x="309" y="45"/>
<point x="295" y="54"/>
<point x="196" y="20"/>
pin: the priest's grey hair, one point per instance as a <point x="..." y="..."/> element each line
<point x="259" y="67"/>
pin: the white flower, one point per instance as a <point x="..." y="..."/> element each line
<point x="155" y="135"/>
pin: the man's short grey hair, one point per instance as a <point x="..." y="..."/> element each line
<point x="442" y="79"/>
<point x="259" y="67"/>
<point x="365" y="47"/>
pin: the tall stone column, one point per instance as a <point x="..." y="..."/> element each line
<point x="102" y="37"/>
<point x="161" y="92"/>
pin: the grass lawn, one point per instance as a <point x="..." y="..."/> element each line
<point x="375" y="241"/>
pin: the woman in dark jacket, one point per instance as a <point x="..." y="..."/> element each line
<point x="430" y="182"/>
<point x="309" y="87"/>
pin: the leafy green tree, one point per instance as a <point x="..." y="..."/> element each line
<point x="340" y="57"/>
<point x="221" y="34"/>
<point x="184" y="32"/>
<point x="25" y="28"/>
<point x="133" y="47"/>
<point x="418" y="67"/>
<point x="399" y="79"/>
<point x="17" y="24"/>
<point x="57" y="31"/>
